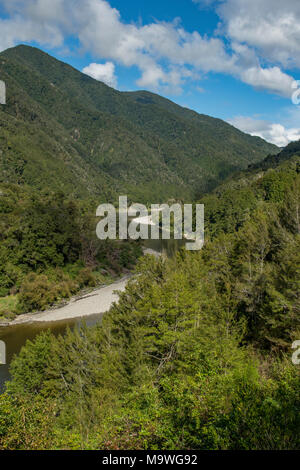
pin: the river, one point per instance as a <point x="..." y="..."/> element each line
<point x="15" y="336"/>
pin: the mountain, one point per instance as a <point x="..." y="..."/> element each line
<point x="66" y="131"/>
<point x="291" y="150"/>
<point x="197" y="352"/>
<point x="229" y="206"/>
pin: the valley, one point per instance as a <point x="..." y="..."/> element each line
<point x="194" y="352"/>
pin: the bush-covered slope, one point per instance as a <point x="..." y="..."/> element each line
<point x="271" y="161"/>
<point x="60" y="128"/>
<point x="49" y="249"/>
<point x="196" y="354"/>
<point x="233" y="202"/>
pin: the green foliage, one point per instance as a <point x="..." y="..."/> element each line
<point x="49" y="249"/>
<point x="37" y="292"/>
<point x="86" y="278"/>
<point x="65" y="131"/>
<point x="161" y="372"/>
<point x="196" y="353"/>
<point x="30" y="423"/>
<point x="28" y="371"/>
<point x="262" y="260"/>
<point x="234" y="201"/>
<point x="272" y="161"/>
<point x="8" y="306"/>
<point x="275" y="186"/>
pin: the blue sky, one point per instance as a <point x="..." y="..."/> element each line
<point x="232" y="59"/>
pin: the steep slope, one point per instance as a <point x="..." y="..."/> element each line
<point x="270" y="161"/>
<point x="229" y="206"/>
<point x="196" y="354"/>
<point x="62" y="129"/>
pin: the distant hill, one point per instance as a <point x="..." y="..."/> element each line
<point x="233" y="202"/>
<point x="63" y="130"/>
<point x="270" y="161"/>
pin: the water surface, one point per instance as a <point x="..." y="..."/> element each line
<point x="16" y="336"/>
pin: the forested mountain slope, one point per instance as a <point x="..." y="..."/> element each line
<point x="274" y="160"/>
<point x="198" y="352"/>
<point x="232" y="202"/>
<point x="63" y="130"/>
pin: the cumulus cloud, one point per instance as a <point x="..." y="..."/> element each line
<point x="271" y="79"/>
<point x="270" y="26"/>
<point x="102" y="72"/>
<point x="272" y="132"/>
<point x="39" y="20"/>
<point x="164" y="52"/>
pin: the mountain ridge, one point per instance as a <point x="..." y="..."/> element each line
<point x="104" y="141"/>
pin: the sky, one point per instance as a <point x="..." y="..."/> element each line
<point x="237" y="60"/>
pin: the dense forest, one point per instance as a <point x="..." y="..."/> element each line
<point x="49" y="250"/>
<point x="196" y="354"/>
<point x="69" y="142"/>
<point x="65" y="131"/>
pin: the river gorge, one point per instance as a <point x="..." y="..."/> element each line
<point x="88" y="308"/>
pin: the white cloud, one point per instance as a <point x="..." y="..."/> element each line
<point x="275" y="133"/>
<point x="102" y="72"/>
<point x="34" y="20"/>
<point x="101" y="32"/>
<point x="166" y="54"/>
<point x="104" y="34"/>
<point x="270" y="26"/>
<point x="271" y="79"/>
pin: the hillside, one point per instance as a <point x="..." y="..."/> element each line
<point x="292" y="149"/>
<point x="233" y="202"/>
<point x="64" y="130"/>
<point x="197" y="352"/>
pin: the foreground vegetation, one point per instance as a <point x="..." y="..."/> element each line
<point x="49" y="251"/>
<point x="197" y="353"/>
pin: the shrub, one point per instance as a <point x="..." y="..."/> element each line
<point x="36" y="293"/>
<point x="39" y="292"/>
<point x="86" y="278"/>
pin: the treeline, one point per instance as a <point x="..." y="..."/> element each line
<point x="49" y="249"/>
<point x="63" y="130"/>
<point x="197" y="353"/>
